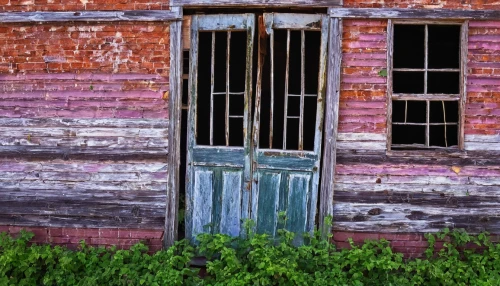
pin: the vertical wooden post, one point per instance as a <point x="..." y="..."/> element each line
<point x="464" y="40"/>
<point x="331" y="120"/>
<point x="174" y="130"/>
<point x="390" y="52"/>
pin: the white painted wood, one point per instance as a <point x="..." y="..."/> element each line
<point x="361" y="137"/>
<point x="366" y="145"/>
<point x="485" y="146"/>
<point x="483" y="138"/>
<point x="485" y="181"/>
<point x="295" y="21"/>
<point x="231" y="203"/>
<point x="225" y="22"/>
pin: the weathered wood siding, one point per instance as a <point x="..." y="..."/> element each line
<point x="424" y="4"/>
<point x="78" y="5"/>
<point x="415" y="191"/>
<point x="83" y="125"/>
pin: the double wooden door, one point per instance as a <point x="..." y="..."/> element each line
<point x="256" y="105"/>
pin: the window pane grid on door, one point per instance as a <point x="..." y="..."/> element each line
<point x="297" y="61"/>
<point x="226" y="107"/>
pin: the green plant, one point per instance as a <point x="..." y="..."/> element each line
<point x="255" y="259"/>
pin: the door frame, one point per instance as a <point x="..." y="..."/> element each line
<point x="174" y="95"/>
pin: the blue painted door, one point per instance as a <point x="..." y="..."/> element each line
<point x="218" y="179"/>
<point x="288" y="122"/>
<point x="270" y="173"/>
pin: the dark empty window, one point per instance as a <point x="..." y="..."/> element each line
<point x="221" y="88"/>
<point x="426" y="81"/>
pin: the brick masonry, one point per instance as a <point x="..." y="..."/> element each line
<point x="411" y="245"/>
<point x="123" y="238"/>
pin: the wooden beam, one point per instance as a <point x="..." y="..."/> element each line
<point x="81" y="153"/>
<point x="398" y="13"/>
<point x="174" y="132"/>
<point x="258" y="3"/>
<point x="331" y="121"/>
<point x="90" y="16"/>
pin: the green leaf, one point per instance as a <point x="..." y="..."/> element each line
<point x="383" y="73"/>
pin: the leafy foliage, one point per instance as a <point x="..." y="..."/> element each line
<point x="25" y="264"/>
<point x="254" y="259"/>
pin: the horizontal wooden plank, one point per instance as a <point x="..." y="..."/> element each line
<point x="285" y="160"/>
<point x="455" y="190"/>
<point x="225" y="22"/>
<point x="486" y="146"/>
<point x="82" y="132"/>
<point x="115" y="142"/>
<point x="435" y="199"/>
<point x="418" y="170"/>
<point x="389" y="179"/>
<point x="479" y="158"/>
<point x="257" y="3"/>
<point x="78" y="153"/>
<point x="405" y="217"/>
<point x="412" y="13"/>
<point x="83" y="222"/>
<point x="81" y="166"/>
<point x="90" y="16"/>
<point x="471" y="224"/>
<point x="364" y="145"/>
<point x="84" y="123"/>
<point x="218" y="156"/>
<point x="70" y="209"/>
<point x="39" y="185"/>
<point x="361" y="137"/>
<point x="294" y="21"/>
<point x="153" y="198"/>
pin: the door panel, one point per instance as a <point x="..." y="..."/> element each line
<point x="265" y="201"/>
<point x="203" y="191"/>
<point x="231" y="203"/>
<point x="218" y="167"/>
<point x="285" y="185"/>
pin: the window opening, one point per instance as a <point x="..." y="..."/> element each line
<point x="289" y="90"/>
<point x="221" y="88"/>
<point x="426" y="86"/>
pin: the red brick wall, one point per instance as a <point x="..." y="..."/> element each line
<point x="411" y="245"/>
<point x="85" y="48"/>
<point x="483" y="90"/>
<point x="123" y="238"/>
<point x="77" y="5"/>
<point x="363" y="91"/>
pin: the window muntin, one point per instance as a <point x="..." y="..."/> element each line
<point x="426" y="86"/>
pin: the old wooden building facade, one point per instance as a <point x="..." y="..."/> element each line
<point x="384" y="114"/>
